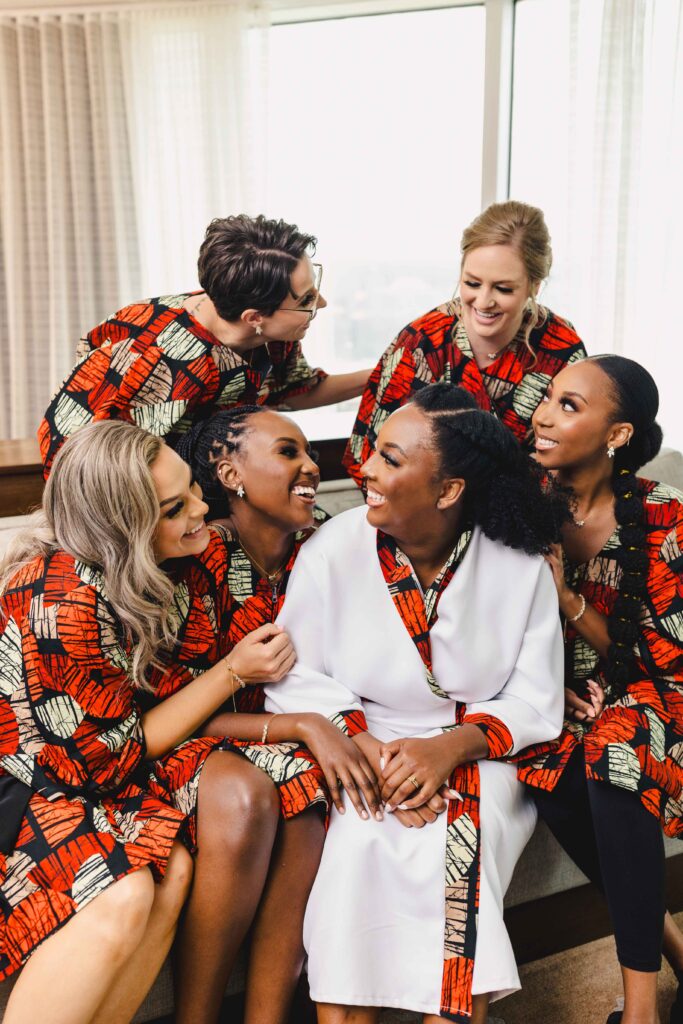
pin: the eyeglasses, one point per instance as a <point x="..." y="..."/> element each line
<point x="317" y="280"/>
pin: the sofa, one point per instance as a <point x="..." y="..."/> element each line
<point x="543" y="870"/>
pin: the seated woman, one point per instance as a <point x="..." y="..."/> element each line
<point x="165" y="362"/>
<point x="494" y="339"/>
<point x="98" y="797"/>
<point x="257" y="475"/>
<point x="426" y="627"/>
<point x="615" y="779"/>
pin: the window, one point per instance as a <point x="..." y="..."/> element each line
<point x="375" y="141"/>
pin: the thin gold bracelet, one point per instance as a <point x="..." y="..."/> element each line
<point x="264" y="734"/>
<point x="237" y="684"/>
<point x="575" y="618"/>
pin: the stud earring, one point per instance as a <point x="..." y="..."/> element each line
<point x="258" y="329"/>
<point x="610" y="452"/>
<point x="240" y="491"/>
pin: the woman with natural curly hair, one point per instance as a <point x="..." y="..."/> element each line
<point x="436" y="644"/>
<point x="494" y="339"/>
<point x="615" y="779"/>
<point x="115" y="594"/>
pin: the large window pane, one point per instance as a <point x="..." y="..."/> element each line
<point x="375" y="135"/>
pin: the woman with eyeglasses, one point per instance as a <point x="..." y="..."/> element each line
<point x="494" y="339"/>
<point x="165" y="362"/>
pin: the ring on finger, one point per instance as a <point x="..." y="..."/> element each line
<point x="411" y="778"/>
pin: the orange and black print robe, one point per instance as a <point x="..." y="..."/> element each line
<point x="153" y="364"/>
<point x="435" y="348"/>
<point x="637" y="742"/>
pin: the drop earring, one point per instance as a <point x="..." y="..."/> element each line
<point x="258" y="329"/>
<point x="610" y="452"/>
<point x="240" y="491"/>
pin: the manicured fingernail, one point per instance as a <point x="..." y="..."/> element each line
<point x="379" y="816"/>
<point x="403" y="807"/>
<point x="342" y="810"/>
<point x="388" y="808"/>
<point x="381" y="763"/>
<point x="364" y="815"/>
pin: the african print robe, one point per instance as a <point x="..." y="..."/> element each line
<point x="352" y="653"/>
<point x="153" y="364"/>
<point x="435" y="348"/>
<point x="637" y="742"/>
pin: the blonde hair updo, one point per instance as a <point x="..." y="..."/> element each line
<point x="522" y="227"/>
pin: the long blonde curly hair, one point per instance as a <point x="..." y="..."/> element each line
<point x="524" y="228"/>
<point x="101" y="507"/>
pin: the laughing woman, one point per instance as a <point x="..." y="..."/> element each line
<point x="426" y="628"/>
<point x="495" y="340"/>
<point x="616" y="778"/>
<point x="256" y="472"/>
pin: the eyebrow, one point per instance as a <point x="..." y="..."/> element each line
<point x="176" y="497"/>
<point x="392" y="444"/>
<point x="292" y="440"/>
<point x="574" y="394"/>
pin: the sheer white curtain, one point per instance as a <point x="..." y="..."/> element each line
<point x="626" y="200"/>
<point x="121" y="135"/>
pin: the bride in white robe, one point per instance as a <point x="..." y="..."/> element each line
<point x="392" y="919"/>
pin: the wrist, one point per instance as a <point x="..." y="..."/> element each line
<point x="573" y="606"/>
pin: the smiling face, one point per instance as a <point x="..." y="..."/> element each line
<point x="494" y="289"/>
<point x="275" y="467"/>
<point x="293" y="317"/>
<point x="575" y="422"/>
<point x="181" y="530"/>
<point x="401" y="479"/>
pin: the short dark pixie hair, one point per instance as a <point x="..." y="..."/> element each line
<point x="246" y="262"/>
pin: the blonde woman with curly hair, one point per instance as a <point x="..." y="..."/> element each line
<point x="494" y="338"/>
<point x="98" y="796"/>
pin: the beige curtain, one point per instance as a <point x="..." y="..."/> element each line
<point x="121" y="136"/>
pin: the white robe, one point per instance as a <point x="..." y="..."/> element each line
<point x="374" y="927"/>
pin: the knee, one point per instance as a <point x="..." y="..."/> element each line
<point x="238" y="804"/>
<point x="121" y="913"/>
<point x="175" y="888"/>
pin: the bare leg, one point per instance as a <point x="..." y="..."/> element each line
<point x="480" y="1006"/>
<point x="673" y="943"/>
<point x="329" y="1013"/>
<point x="69" y="975"/>
<point x="640" y="997"/>
<point x="277" y="952"/>
<point x="137" y="977"/>
<point x="237" y="819"/>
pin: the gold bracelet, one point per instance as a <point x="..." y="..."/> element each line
<point x="575" y="618"/>
<point x="237" y="683"/>
<point x="264" y="734"/>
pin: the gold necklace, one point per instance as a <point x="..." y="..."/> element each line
<point x="270" y="576"/>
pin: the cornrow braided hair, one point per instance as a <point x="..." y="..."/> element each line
<point x="636" y="401"/>
<point x="206" y="443"/>
<point x="505" y="493"/>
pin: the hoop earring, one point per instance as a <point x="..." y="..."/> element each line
<point x="240" y="491"/>
<point x="610" y="452"/>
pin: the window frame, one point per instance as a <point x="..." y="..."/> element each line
<point x="497" y="134"/>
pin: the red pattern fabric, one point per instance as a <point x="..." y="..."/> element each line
<point x="153" y="364"/>
<point x="435" y="348"/>
<point x="637" y="743"/>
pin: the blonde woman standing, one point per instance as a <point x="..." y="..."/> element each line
<point x="494" y="340"/>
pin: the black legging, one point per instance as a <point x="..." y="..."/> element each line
<point x="619" y="845"/>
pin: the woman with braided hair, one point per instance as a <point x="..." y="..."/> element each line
<point x="615" y="778"/>
<point x="255" y="469"/>
<point x="426" y="628"/>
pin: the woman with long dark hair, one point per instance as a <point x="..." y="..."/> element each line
<point x="615" y="779"/>
<point x="426" y="627"/>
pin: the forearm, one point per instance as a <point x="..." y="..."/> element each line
<point x="174" y="719"/>
<point x="592" y="625"/>
<point x="466" y="743"/>
<point x="282" y="727"/>
<point x="335" y="388"/>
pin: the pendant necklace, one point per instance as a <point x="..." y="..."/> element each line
<point x="271" y="577"/>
